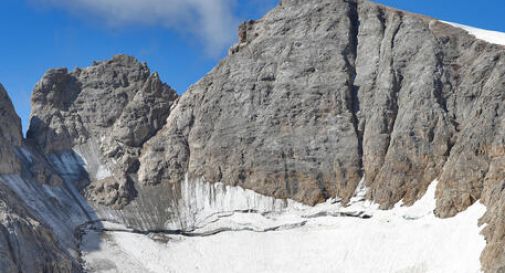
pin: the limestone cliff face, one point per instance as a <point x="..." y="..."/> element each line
<point x="320" y="94"/>
<point x="10" y="134"/>
<point x="105" y="112"/>
<point x="317" y="96"/>
<point x="278" y="115"/>
<point x="27" y="244"/>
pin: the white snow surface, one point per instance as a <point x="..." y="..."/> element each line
<point x="326" y="238"/>
<point x="490" y="36"/>
<point x="102" y="173"/>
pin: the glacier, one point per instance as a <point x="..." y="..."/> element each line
<point x="330" y="237"/>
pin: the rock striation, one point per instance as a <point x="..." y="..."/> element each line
<point x="27" y="244"/>
<point x="315" y="97"/>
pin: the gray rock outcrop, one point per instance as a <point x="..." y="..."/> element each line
<point x="27" y="244"/>
<point x="106" y="112"/>
<point x="10" y="135"/>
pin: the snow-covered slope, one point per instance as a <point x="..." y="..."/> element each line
<point x="326" y="238"/>
<point x="490" y="36"/>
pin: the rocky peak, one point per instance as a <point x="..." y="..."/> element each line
<point x="285" y="3"/>
<point x="10" y="134"/>
<point x="112" y="107"/>
<point x="94" y="98"/>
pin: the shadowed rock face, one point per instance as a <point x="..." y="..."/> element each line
<point x="315" y="97"/>
<point x="10" y="135"/>
<point x="26" y="243"/>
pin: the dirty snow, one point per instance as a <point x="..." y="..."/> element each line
<point x="203" y="202"/>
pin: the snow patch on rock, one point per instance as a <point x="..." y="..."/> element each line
<point x="490" y="36"/>
<point x="102" y="173"/>
<point x="89" y="154"/>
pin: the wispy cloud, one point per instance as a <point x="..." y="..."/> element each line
<point x="211" y="21"/>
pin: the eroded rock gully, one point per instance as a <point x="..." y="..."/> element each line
<point x="315" y="97"/>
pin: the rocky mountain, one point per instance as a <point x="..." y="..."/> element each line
<point x="27" y="244"/>
<point x="108" y="112"/>
<point x="320" y="101"/>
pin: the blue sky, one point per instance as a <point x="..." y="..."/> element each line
<point x="181" y="39"/>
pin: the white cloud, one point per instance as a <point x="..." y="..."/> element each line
<point x="211" y="21"/>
